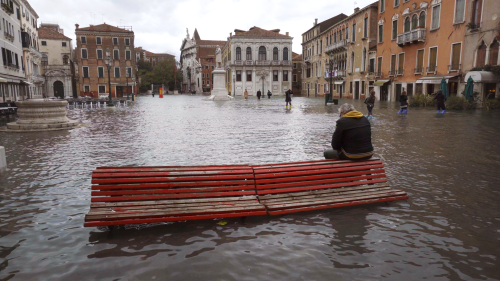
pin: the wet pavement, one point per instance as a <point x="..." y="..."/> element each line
<point x="448" y="230"/>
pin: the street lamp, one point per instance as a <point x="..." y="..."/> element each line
<point x="109" y="62"/>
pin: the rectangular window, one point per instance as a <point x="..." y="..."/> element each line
<point x="477" y="7"/>
<point x="455" y="56"/>
<point x="115" y="41"/>
<point x="350" y="87"/>
<point x="393" y="65"/>
<point x="249" y="76"/>
<point x="100" y="72"/>
<point x="117" y="72"/>
<point x="295" y="78"/>
<point x="84" y="54"/>
<point x="381" y="33"/>
<point x="86" y="88"/>
<point x="382" y="6"/>
<point x="420" y="61"/>
<point x="394" y="29"/>
<point x="83" y="40"/>
<point x="85" y="72"/>
<point x="347" y="33"/>
<point x="285" y="76"/>
<point x="102" y="89"/>
<point x="365" y="28"/>
<point x="436" y="11"/>
<point x="116" y="54"/>
<point x="401" y="63"/>
<point x="354" y="32"/>
<point x="98" y="41"/>
<point x="238" y="75"/>
<point x="99" y="54"/>
<point x="127" y="41"/>
<point x="128" y="55"/>
<point x="371" y="67"/>
<point x="295" y="66"/>
<point x="64" y="44"/>
<point x="18" y="14"/>
<point x="129" y="72"/>
<point x="396" y="3"/>
<point x="275" y="75"/>
<point x="459" y="11"/>
<point x="44" y="43"/>
<point x="363" y="87"/>
<point x="432" y="59"/>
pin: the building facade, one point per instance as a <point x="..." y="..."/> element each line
<point x="94" y="44"/>
<point x="258" y="59"/>
<point x="350" y="45"/>
<point x="312" y="50"/>
<point x="418" y="44"/>
<point x="197" y="63"/>
<point x="152" y="58"/>
<point x="12" y="74"/>
<point x="297" y="74"/>
<point x="57" y="61"/>
<point x="481" y="47"/>
<point x="32" y="58"/>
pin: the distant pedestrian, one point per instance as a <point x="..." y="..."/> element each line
<point x="259" y="94"/>
<point x="440" y="98"/>
<point x="269" y="94"/>
<point x="153" y="94"/>
<point x="403" y="103"/>
<point x="370" y="103"/>
<point x="288" y="98"/>
<point x="245" y="94"/>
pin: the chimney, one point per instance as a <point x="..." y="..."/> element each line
<point x="287" y="34"/>
<point x="230" y="34"/>
<point x="315" y="21"/>
<point x="356" y="9"/>
<point x="77" y="26"/>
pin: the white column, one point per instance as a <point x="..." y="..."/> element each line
<point x="280" y="81"/>
<point x="244" y="79"/>
<point x="270" y="80"/>
<point x="487" y="55"/>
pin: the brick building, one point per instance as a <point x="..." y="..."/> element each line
<point x="197" y="62"/>
<point x="92" y="45"/>
<point x="297" y="74"/>
<point x="152" y="58"/>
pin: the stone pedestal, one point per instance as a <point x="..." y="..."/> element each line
<point x="41" y="115"/>
<point x="219" y="92"/>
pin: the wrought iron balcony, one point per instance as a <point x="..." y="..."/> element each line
<point x="432" y="69"/>
<point x="370" y="75"/>
<point x="392" y="73"/>
<point x="414" y="36"/>
<point x="338" y="46"/>
<point x="379" y="74"/>
<point x="400" y="72"/>
<point x="454" y="67"/>
<point x="419" y="70"/>
<point x="341" y="73"/>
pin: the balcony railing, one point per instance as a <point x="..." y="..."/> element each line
<point x="276" y="62"/>
<point x="419" y="70"/>
<point x="400" y="72"/>
<point x="379" y="74"/>
<point x="286" y="62"/>
<point x="263" y="62"/>
<point x="238" y="62"/>
<point x="249" y="62"/>
<point x="338" y="46"/>
<point x="8" y="36"/>
<point x="37" y="78"/>
<point x="307" y="59"/>
<point x="392" y="73"/>
<point x="414" y="36"/>
<point x="432" y="69"/>
<point x="370" y="75"/>
<point x="454" y="67"/>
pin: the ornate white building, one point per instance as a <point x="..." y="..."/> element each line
<point x="258" y="59"/>
<point x="32" y="56"/>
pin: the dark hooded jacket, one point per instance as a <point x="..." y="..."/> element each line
<point x="353" y="136"/>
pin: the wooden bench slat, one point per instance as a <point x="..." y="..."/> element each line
<point x="172" y="196"/>
<point x="316" y="172"/>
<point x="174" y="205"/>
<point x="345" y="184"/>
<point x="201" y="168"/>
<point x="153" y="202"/>
<point x="171" y="185"/>
<point x="319" y="179"/>
<point x="170" y="179"/>
<point x="318" y="168"/>
<point x="308" y="163"/>
<point x="172" y="190"/>
<point x="338" y="205"/>
<point x="170" y="174"/>
<point x="173" y="219"/>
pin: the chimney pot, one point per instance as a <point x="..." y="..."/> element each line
<point x="315" y="21"/>
<point x="356" y="9"/>
<point x="287" y="33"/>
<point x="230" y="34"/>
<point x="77" y="26"/>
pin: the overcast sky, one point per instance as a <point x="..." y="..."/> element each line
<point x="160" y="25"/>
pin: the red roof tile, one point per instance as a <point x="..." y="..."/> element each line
<point x="49" y="33"/>
<point x="104" y="28"/>
<point x="259" y="32"/>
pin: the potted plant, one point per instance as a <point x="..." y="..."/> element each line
<point x="472" y="26"/>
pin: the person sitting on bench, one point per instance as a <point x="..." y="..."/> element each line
<point x="352" y="139"/>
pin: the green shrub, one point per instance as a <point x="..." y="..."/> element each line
<point x="421" y="100"/>
<point x="459" y="103"/>
<point x="492" y="104"/>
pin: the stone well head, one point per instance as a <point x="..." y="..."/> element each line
<point x="40" y="111"/>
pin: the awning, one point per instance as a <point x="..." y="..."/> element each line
<point x="381" y="82"/>
<point x="435" y="79"/>
<point x="339" y="82"/>
<point x="482" y="77"/>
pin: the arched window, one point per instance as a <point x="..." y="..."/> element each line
<point x="249" y="53"/>
<point x="275" y="53"/>
<point x="407" y="24"/>
<point x="414" y="22"/>
<point x="494" y="53"/>
<point x="481" y="55"/>
<point x="262" y="53"/>
<point x="65" y="59"/>
<point x="421" y="20"/>
<point x="238" y="53"/>
<point x="285" y="54"/>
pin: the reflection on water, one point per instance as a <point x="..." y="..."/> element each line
<point x="448" y="164"/>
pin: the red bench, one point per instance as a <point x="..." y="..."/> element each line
<point x="136" y="195"/>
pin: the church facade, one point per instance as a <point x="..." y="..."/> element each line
<point x="258" y="59"/>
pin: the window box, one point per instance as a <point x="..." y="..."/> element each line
<point x="7" y="9"/>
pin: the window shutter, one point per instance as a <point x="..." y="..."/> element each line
<point x="393" y="62"/>
<point x="459" y="11"/>
<point x="420" y="59"/>
<point x="481" y="56"/>
<point x="379" y="65"/>
<point x="494" y="53"/>
<point x="401" y="61"/>
<point x="432" y="63"/>
<point x="435" y="16"/>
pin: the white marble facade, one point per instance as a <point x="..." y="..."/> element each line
<point x="190" y="66"/>
<point x="262" y="69"/>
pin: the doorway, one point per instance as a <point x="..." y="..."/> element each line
<point x="384" y="92"/>
<point x="430" y="89"/>
<point x="453" y="88"/>
<point x="409" y="91"/>
<point x="398" y="92"/>
<point x="315" y="90"/>
<point x="119" y="91"/>
<point x="356" y="90"/>
<point x="489" y="91"/>
<point x="59" y="89"/>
